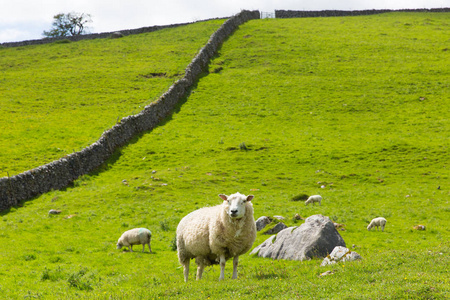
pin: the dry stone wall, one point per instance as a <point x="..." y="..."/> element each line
<point x="341" y="13"/>
<point x="61" y="173"/>
<point x="92" y="36"/>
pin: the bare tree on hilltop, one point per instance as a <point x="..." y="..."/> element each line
<point x="69" y="24"/>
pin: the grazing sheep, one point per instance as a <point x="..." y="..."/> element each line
<point x="136" y="236"/>
<point x="380" y="221"/>
<point x="214" y="234"/>
<point x="313" y="199"/>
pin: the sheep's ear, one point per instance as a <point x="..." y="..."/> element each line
<point x="250" y="197"/>
<point x="224" y="197"/>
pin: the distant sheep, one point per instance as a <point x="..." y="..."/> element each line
<point x="313" y="199"/>
<point x="136" y="236"/>
<point x="214" y="234"/>
<point x="380" y="221"/>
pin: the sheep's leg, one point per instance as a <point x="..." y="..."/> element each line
<point x="143" y="247"/>
<point x="235" y="265"/>
<point x="149" y="247"/>
<point x="186" y="269"/>
<point x="222" y="267"/>
<point x="131" y="248"/>
<point x="200" y="269"/>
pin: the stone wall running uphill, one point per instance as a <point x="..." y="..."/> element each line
<point x="59" y="174"/>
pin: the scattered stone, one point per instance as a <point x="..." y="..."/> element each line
<point x="340" y="254"/>
<point x="419" y="227"/>
<point x="277" y="228"/>
<point x="315" y="238"/>
<point x="54" y="212"/>
<point x="262" y="222"/>
<point x="327" y="273"/>
<point x="298" y="217"/>
<point x="125" y="182"/>
<point x="279" y="217"/>
<point x="338" y="226"/>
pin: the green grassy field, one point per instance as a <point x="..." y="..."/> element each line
<point x="357" y="105"/>
<point x="58" y="98"/>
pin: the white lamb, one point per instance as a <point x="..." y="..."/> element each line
<point x="380" y="221"/>
<point x="136" y="236"/>
<point x="313" y="199"/>
<point x="214" y="234"/>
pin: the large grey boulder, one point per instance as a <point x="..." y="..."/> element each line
<point x="317" y="237"/>
<point x="340" y="254"/>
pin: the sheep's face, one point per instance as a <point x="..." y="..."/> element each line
<point x="235" y="204"/>
<point x="119" y="246"/>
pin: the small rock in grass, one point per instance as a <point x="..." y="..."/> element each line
<point x="262" y="222"/>
<point x="298" y="217"/>
<point x="340" y="254"/>
<point x="419" y="227"/>
<point x="327" y="273"/>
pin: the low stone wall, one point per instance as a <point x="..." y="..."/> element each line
<point x="341" y="13"/>
<point x="61" y="173"/>
<point x="92" y="36"/>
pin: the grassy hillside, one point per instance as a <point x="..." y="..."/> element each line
<point x="58" y="98"/>
<point x="356" y="105"/>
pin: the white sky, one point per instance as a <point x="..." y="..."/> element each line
<point x="27" y="19"/>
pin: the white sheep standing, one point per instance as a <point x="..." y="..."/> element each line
<point x="380" y="221"/>
<point x="136" y="236"/>
<point x="313" y="199"/>
<point x="214" y="234"/>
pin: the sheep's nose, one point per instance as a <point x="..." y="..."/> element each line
<point x="234" y="211"/>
